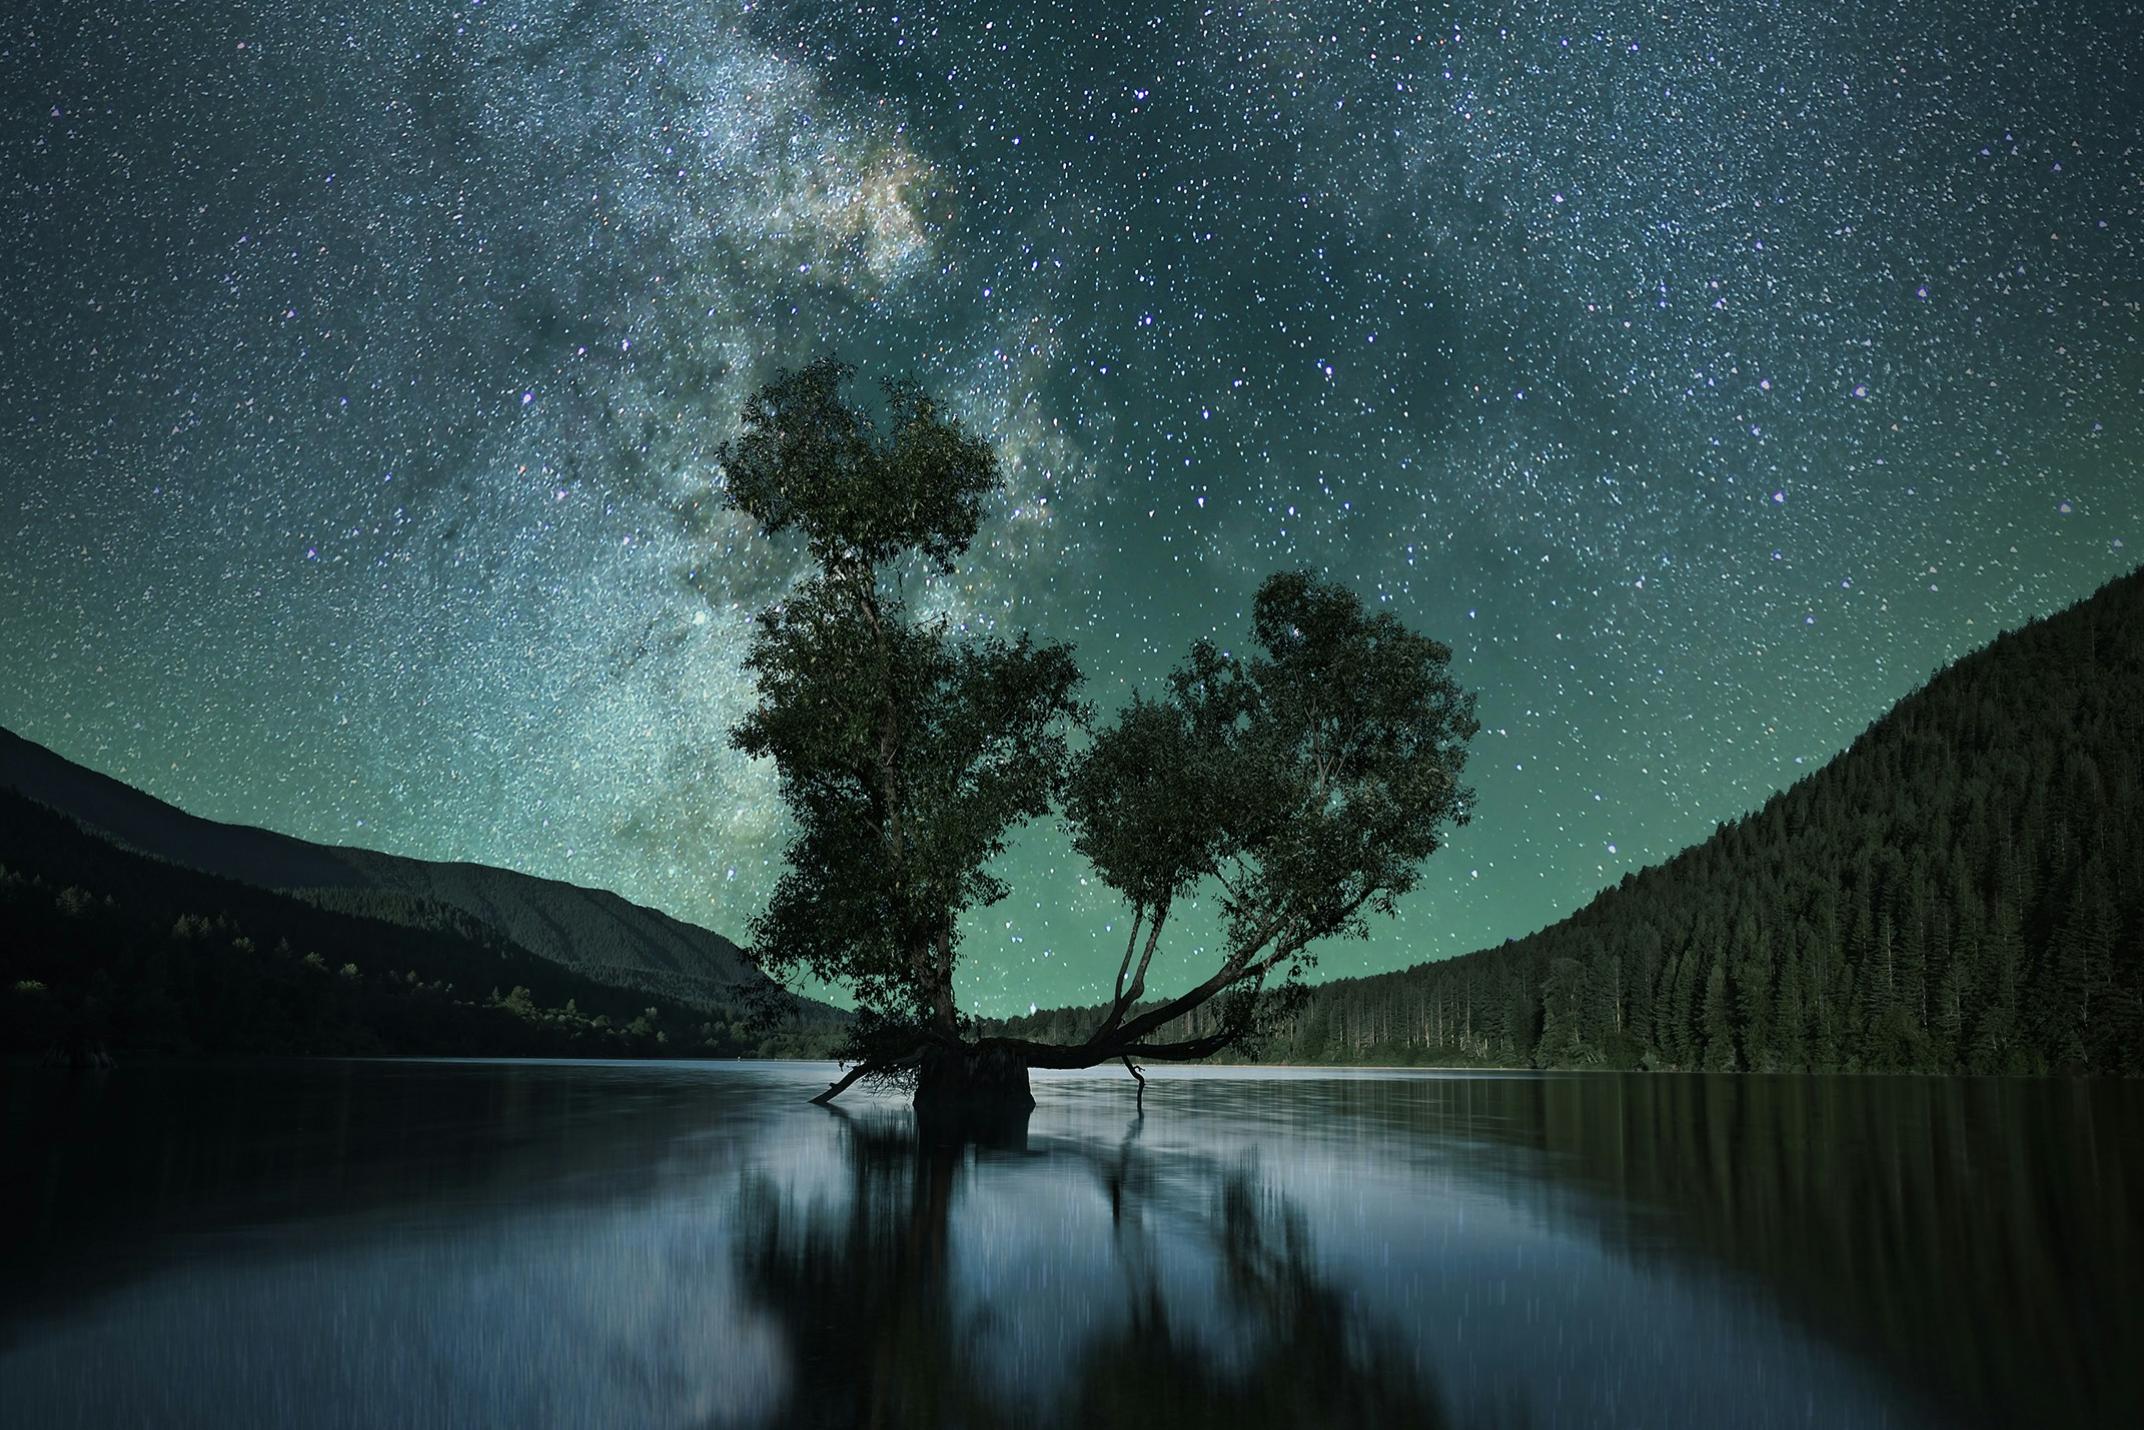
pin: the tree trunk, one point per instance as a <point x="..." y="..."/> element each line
<point x="986" y="1083"/>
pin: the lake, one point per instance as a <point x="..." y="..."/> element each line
<point x="462" y="1244"/>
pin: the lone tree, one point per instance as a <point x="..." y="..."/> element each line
<point x="1303" y="784"/>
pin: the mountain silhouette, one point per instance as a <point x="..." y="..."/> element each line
<point x="591" y="931"/>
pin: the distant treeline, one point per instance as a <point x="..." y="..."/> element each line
<point x="1960" y="891"/>
<point x="585" y="941"/>
<point x="104" y="951"/>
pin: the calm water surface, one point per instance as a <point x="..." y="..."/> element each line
<point x="467" y="1244"/>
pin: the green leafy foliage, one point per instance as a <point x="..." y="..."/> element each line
<point x="807" y="459"/>
<point x="906" y="753"/>
<point x="1308" y="780"/>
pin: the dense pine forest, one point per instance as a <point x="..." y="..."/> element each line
<point x="1962" y="890"/>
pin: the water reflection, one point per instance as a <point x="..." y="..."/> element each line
<point x="527" y="1244"/>
<point x="871" y="1311"/>
<point x="1977" y="1237"/>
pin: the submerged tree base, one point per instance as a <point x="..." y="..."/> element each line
<point x="972" y="1080"/>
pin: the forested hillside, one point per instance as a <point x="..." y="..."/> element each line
<point x="1961" y="890"/>
<point x="590" y="931"/>
<point x="107" y="952"/>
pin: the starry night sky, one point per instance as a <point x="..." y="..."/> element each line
<point x="1706" y="375"/>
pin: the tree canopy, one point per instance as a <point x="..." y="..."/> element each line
<point x="1306" y="782"/>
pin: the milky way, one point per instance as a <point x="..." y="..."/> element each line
<point x="1706" y="376"/>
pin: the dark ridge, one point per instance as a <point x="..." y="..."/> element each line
<point x="106" y="951"/>
<point x="582" y="929"/>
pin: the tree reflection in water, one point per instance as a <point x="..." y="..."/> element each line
<point x="865" y="1297"/>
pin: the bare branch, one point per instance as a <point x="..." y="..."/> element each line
<point x="1138" y="917"/>
<point x="1233" y="970"/>
<point x="863" y="1069"/>
<point x="1146" y="959"/>
<point x="1187" y="1050"/>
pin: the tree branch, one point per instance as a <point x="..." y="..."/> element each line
<point x="1138" y="917"/>
<point x="847" y="1078"/>
<point x="943" y="1013"/>
<point x="1072" y="1056"/>
<point x="1186" y="1050"/>
<point x="1128" y="994"/>
<point x="1233" y="970"/>
<point x="1146" y="959"/>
